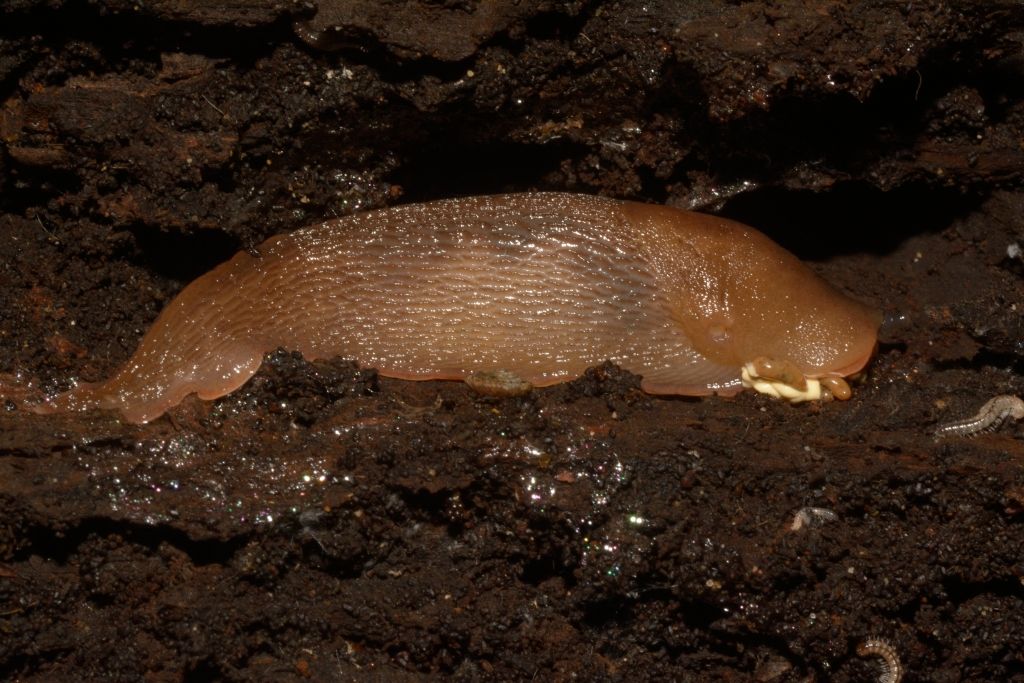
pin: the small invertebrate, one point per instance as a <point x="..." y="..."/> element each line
<point x="892" y="669"/>
<point x="542" y="285"/>
<point x="500" y="383"/>
<point x="811" y="516"/>
<point x="993" y="414"/>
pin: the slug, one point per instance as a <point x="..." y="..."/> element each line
<point x="540" y="285"/>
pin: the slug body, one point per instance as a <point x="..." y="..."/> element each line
<point x="542" y="285"/>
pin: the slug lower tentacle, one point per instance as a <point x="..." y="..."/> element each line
<point x="540" y="285"/>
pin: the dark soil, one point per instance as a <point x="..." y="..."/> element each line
<point x="326" y="524"/>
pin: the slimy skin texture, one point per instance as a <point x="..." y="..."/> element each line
<point x="541" y="285"/>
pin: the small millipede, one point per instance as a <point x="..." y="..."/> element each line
<point x="993" y="414"/>
<point x="812" y="516"/>
<point x="892" y="669"/>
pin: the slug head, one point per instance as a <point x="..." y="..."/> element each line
<point x="789" y="313"/>
<point x="739" y="296"/>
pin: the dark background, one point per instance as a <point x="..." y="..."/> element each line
<point x="325" y="524"/>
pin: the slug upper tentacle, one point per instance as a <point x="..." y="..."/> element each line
<point x="541" y="285"/>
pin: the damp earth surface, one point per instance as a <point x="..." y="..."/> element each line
<point x="324" y="523"/>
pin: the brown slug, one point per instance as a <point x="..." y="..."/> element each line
<point x="542" y="285"/>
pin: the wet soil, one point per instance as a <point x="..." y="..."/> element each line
<point x="323" y="523"/>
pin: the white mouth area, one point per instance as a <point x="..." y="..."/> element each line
<point x="751" y="380"/>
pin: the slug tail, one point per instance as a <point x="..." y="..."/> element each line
<point x="83" y="396"/>
<point x="149" y="385"/>
<point x="142" y="394"/>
